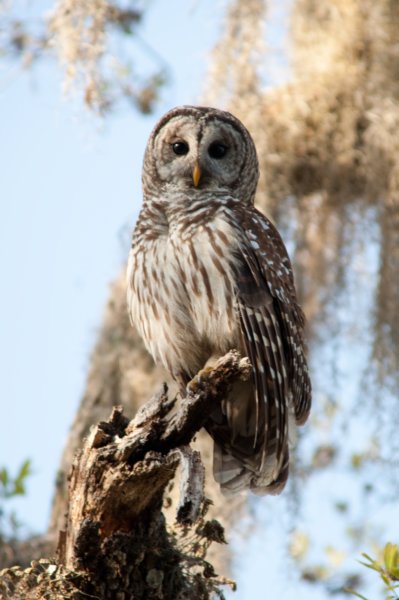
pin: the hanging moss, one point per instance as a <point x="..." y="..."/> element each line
<point x="328" y="147"/>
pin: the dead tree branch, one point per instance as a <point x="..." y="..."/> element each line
<point x="116" y="543"/>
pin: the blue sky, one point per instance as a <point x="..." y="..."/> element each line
<point x="69" y="192"/>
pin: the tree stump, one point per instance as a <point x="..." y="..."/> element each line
<point x="116" y="544"/>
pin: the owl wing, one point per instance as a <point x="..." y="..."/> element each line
<point x="272" y="329"/>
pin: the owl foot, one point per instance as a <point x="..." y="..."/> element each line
<point x="199" y="380"/>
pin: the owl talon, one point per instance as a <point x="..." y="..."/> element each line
<point x="198" y="380"/>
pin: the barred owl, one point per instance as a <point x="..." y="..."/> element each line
<point x="208" y="272"/>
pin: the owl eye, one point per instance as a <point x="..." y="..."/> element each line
<point x="180" y="148"/>
<point x="217" y="150"/>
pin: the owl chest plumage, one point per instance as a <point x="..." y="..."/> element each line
<point x="182" y="296"/>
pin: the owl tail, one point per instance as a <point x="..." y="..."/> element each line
<point x="244" y="457"/>
<point x="233" y="476"/>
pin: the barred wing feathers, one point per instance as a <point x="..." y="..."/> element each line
<point x="271" y="324"/>
<point x="266" y="256"/>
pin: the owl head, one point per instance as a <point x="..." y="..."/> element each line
<point x="196" y="149"/>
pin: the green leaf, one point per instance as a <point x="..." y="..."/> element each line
<point x="368" y="557"/>
<point x="19" y="488"/>
<point x="19" y="482"/>
<point x="375" y="566"/>
<point x="391" y="557"/>
<point x="385" y="579"/>
<point x="355" y="594"/>
<point x="4" y="477"/>
<point x="25" y="470"/>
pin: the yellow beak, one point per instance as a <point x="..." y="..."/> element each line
<point x="196" y="174"/>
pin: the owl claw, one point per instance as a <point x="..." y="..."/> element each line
<point x="199" y="380"/>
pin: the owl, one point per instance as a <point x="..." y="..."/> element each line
<point x="207" y="272"/>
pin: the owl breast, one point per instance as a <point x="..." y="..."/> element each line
<point x="182" y="294"/>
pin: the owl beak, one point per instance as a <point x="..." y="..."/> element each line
<point x="196" y="174"/>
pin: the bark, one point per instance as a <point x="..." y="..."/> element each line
<point x="116" y="544"/>
<point x="120" y="373"/>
